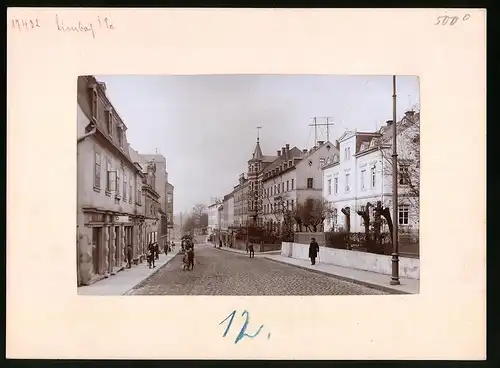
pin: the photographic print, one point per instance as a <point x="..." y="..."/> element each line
<point x="248" y="185"/>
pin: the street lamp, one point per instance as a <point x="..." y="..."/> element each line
<point x="395" y="250"/>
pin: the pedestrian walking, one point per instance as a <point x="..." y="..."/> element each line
<point x="251" y="250"/>
<point x="165" y="248"/>
<point x="157" y="250"/>
<point x="313" y="251"/>
<point x="220" y="243"/>
<point x="151" y="255"/>
<point x="190" y="255"/>
<point x="129" y="256"/>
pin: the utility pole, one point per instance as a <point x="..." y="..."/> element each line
<point x="316" y="125"/>
<point x="395" y="219"/>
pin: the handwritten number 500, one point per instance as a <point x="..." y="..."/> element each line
<point x="242" y="333"/>
<point x="446" y="20"/>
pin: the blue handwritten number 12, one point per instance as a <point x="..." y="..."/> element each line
<point x="242" y="333"/>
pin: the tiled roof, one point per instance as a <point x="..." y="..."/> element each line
<point x="294" y="152"/>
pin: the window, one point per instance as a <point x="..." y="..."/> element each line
<point x="347" y="185"/>
<point x="363" y="173"/>
<point x="373" y="177"/>
<point x="309" y="183"/>
<point x="130" y="191"/>
<point x="403" y="214"/>
<point x="287" y="185"/>
<point x="97" y="171"/>
<point x="94" y="103"/>
<point x="336" y="185"/>
<point x="283" y="187"/>
<point x="138" y="195"/>
<point x="120" y="137"/>
<point x="293" y="180"/>
<point x="287" y="205"/>
<point x="404" y="178"/>
<point x="321" y="161"/>
<point x="329" y="186"/>
<point x="118" y="182"/>
<point x="271" y="207"/>
<point x="108" y="176"/>
<point x="124" y="186"/>
<point x="293" y="204"/>
<point x="110" y="122"/>
<point x="345" y="153"/>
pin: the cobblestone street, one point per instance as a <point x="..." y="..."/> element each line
<point x="219" y="272"/>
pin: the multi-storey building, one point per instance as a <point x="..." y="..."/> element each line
<point x="163" y="188"/>
<point x="169" y="209"/>
<point x="240" y="194"/>
<point x="213" y="218"/>
<point x="361" y="175"/>
<point x="256" y="166"/>
<point x="109" y="187"/>
<point x="294" y="177"/>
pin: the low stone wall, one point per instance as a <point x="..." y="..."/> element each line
<point x="305" y="238"/>
<point x="408" y="267"/>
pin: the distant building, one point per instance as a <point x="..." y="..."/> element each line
<point x="213" y="218"/>
<point x="241" y="202"/>
<point x="165" y="189"/>
<point x="293" y="178"/>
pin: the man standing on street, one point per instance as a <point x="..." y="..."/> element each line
<point x="129" y="256"/>
<point x="313" y="251"/>
<point x="251" y="250"/>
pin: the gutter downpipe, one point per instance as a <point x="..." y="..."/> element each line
<point x="92" y="132"/>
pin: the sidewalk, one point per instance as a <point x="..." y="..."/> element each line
<point x="126" y="279"/>
<point x="365" y="278"/>
<point x="257" y="254"/>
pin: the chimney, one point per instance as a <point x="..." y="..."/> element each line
<point x="287" y="146"/>
<point x="409" y="113"/>
<point x="103" y="85"/>
<point x="279" y="153"/>
<point x="304" y="150"/>
<point x="337" y="144"/>
<point x="282" y="150"/>
<point x="320" y="143"/>
<point x="389" y="122"/>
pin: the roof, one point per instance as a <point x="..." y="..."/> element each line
<point x="269" y="158"/>
<point x="257" y="153"/>
<point x="292" y="153"/>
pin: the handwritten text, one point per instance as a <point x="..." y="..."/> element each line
<point x="84" y="27"/>
<point x="445" y="20"/>
<point x="242" y="332"/>
<point x="91" y="27"/>
<point x="25" y="24"/>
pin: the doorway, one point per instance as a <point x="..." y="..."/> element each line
<point x="117" y="246"/>
<point x="96" y="249"/>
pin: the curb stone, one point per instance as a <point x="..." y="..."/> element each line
<point x="348" y="279"/>
<point x="136" y="286"/>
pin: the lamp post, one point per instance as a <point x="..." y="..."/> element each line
<point x="395" y="220"/>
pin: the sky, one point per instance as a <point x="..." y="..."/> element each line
<point x="205" y="125"/>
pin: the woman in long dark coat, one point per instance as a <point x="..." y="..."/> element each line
<point x="313" y="251"/>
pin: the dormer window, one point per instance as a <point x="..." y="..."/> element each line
<point x="110" y="122"/>
<point x="120" y="137"/>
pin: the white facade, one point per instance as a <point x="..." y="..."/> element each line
<point x="361" y="174"/>
<point x="213" y="218"/>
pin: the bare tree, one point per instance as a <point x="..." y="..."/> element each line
<point x="313" y="212"/>
<point x="408" y="160"/>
